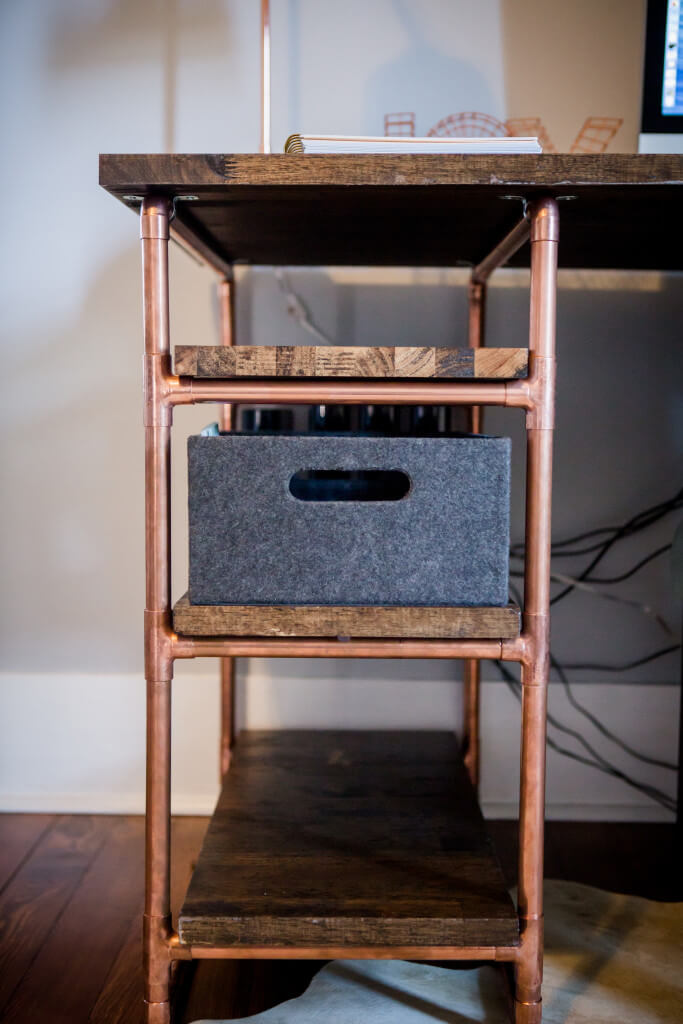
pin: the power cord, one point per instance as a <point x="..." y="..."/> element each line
<point x="596" y="760"/>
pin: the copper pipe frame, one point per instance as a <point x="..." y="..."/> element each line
<point x="311" y="647"/>
<point x="536" y="395"/>
<point x="157" y="932"/>
<point x="226" y="421"/>
<point x="472" y="667"/>
<point x="302" y="391"/>
<point x="544" y="221"/>
<point x="265" y="76"/>
<point x="497" y="953"/>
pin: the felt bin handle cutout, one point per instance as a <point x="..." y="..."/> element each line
<point x="349" y="485"/>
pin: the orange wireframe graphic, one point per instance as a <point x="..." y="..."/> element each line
<point x="530" y="127"/>
<point x="469" y="125"/>
<point x="594" y="137"/>
<point x="399" y="124"/>
<point x="596" y="134"/>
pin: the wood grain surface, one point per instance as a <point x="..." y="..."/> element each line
<point x="346" y="361"/>
<point x="347" y="838"/>
<point x="333" y="621"/>
<point x="624" y="211"/>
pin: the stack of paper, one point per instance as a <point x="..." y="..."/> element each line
<point x="408" y="144"/>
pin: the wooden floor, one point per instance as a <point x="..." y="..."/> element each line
<point x="71" y="893"/>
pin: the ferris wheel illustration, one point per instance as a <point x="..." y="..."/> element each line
<point x="469" y="124"/>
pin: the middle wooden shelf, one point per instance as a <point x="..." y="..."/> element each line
<point x="423" y="622"/>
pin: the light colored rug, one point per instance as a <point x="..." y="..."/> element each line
<point x="609" y="960"/>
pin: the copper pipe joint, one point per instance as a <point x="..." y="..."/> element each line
<point x="155" y="213"/>
<point x="156" y="933"/>
<point x="158" y="649"/>
<point x="544" y="218"/>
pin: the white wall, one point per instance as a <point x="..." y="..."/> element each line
<point x="85" y="76"/>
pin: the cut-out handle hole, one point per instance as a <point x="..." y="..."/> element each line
<point x="349" y="485"/>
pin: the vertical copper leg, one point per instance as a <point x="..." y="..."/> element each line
<point x="529" y="971"/>
<point x="154" y="222"/>
<point x="227" y="416"/>
<point x="471" y="668"/>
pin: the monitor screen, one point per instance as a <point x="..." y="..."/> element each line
<point x="672" y="84"/>
<point x="663" y="74"/>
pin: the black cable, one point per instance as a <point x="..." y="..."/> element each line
<point x="600" y="763"/>
<point x="603" y="728"/>
<point x="629" y="572"/>
<point x="648" y="516"/>
<point x="634" y="525"/>
<point x="639" y="522"/>
<point x="626" y="666"/>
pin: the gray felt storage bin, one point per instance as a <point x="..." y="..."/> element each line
<point x="338" y="519"/>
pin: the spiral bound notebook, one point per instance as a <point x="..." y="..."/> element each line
<point x="408" y="144"/>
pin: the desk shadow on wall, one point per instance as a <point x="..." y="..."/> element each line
<point x="423" y="79"/>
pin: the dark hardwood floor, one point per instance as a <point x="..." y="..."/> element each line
<point x="71" y="893"/>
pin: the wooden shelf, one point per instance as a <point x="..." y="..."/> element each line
<point x="429" y="210"/>
<point x="482" y="623"/>
<point x="392" y="363"/>
<point x="355" y="839"/>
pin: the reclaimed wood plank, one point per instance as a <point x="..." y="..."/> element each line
<point x="410" y="361"/>
<point x="379" y="840"/>
<point x="413" y="209"/>
<point x="493" y="363"/>
<point x="185" y="360"/>
<point x="119" y="172"/>
<point x="454" y="362"/>
<point x="353" y="621"/>
<point x="389" y="363"/>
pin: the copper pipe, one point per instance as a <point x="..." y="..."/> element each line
<point x="227" y="414"/>
<point x="472" y="668"/>
<point x="529" y="970"/>
<point x="505" y="249"/>
<point x="227" y="740"/>
<point x="154" y="221"/>
<point x="498" y="953"/>
<point x="226" y="314"/>
<point x="471" y="720"/>
<point x="302" y="391"/>
<point x="279" y="647"/>
<point x="197" y="249"/>
<point x="265" y="76"/>
<point x="475" y="338"/>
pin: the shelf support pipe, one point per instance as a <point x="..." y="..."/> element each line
<point x="504" y="251"/>
<point x="540" y="421"/>
<point x="303" y="391"/>
<point x="472" y="667"/>
<point x="227" y="414"/>
<point x="154" y="233"/>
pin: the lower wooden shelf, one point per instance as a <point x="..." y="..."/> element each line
<point x="356" y="839"/>
<point x="482" y="623"/>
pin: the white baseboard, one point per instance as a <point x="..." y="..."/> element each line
<point x="202" y="805"/>
<point x="75" y="743"/>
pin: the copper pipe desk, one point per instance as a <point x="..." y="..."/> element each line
<point x="382" y="210"/>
